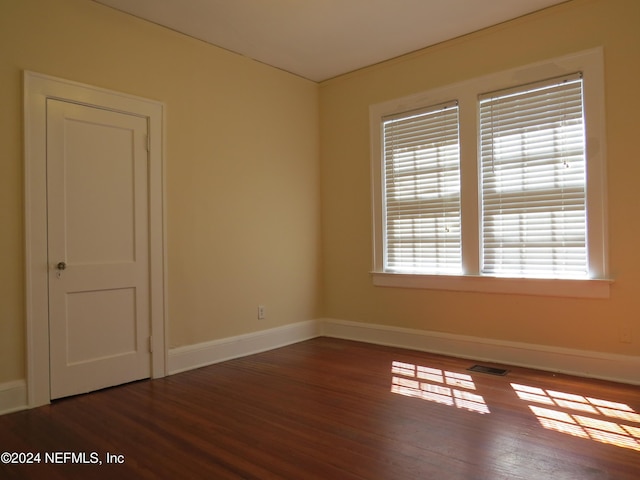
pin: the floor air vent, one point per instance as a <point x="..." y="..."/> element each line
<point x="489" y="370"/>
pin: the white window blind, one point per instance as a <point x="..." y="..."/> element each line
<point x="422" y="191"/>
<point x="533" y="183"/>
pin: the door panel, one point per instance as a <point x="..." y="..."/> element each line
<point x="112" y="330"/>
<point x="97" y="194"/>
<point x="100" y="191"/>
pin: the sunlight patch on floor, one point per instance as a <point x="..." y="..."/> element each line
<point x="435" y="385"/>
<point x="583" y="417"/>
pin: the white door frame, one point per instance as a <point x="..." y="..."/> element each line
<point x="37" y="89"/>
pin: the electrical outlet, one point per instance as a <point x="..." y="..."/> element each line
<point x="262" y="312"/>
<point x="625" y="334"/>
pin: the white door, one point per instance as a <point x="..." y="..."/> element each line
<point x="98" y="248"/>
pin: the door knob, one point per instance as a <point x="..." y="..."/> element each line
<point x="61" y="266"/>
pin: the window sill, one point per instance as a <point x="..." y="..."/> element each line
<point x="589" y="288"/>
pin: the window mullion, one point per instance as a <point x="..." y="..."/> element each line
<point x="469" y="181"/>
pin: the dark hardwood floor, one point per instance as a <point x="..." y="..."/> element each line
<point x="334" y="409"/>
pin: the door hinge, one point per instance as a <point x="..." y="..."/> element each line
<point x="150" y="344"/>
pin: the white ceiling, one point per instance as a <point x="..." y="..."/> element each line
<point x="321" y="39"/>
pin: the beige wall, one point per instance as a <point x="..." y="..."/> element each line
<point x="564" y="322"/>
<point x="242" y="174"/>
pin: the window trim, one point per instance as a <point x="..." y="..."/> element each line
<point x="591" y="64"/>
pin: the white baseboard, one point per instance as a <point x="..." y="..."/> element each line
<point x="208" y="353"/>
<point x="584" y="363"/>
<point x="13" y="396"/>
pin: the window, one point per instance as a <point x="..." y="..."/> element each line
<point x="500" y="191"/>
<point x="533" y="181"/>
<point x="422" y="191"/>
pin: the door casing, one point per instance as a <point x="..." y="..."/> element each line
<point x="37" y="89"/>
